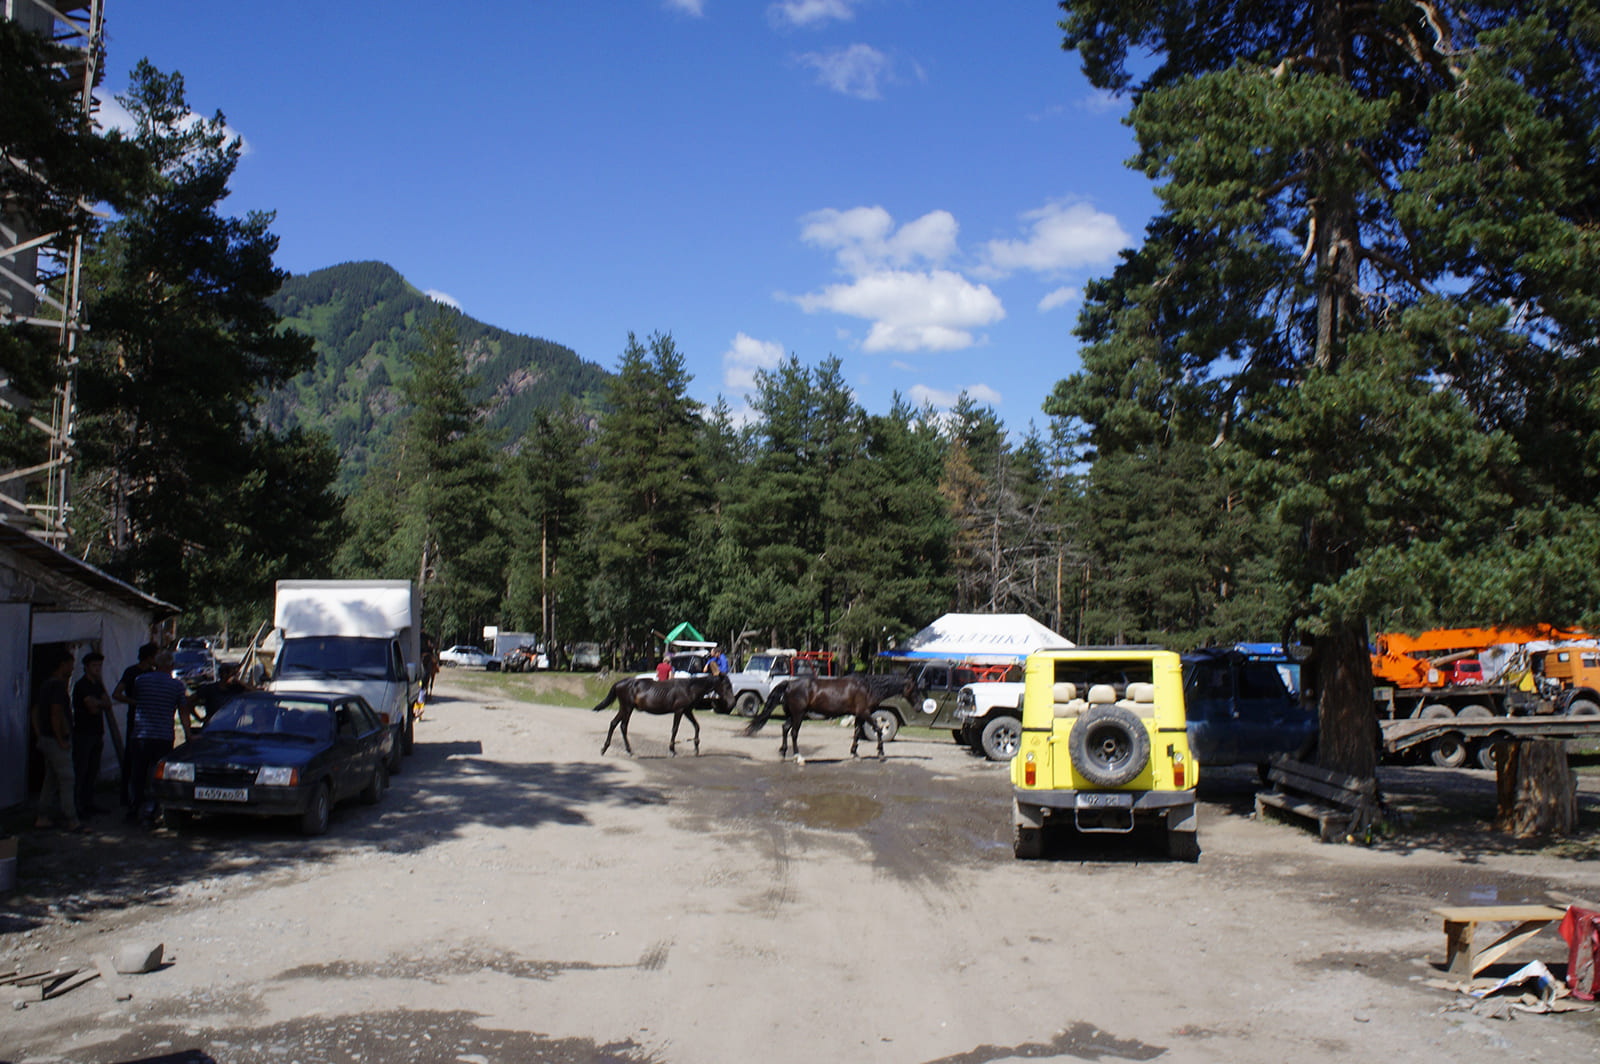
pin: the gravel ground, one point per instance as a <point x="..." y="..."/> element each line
<point x="517" y="897"/>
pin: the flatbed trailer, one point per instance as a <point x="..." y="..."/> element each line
<point x="1407" y="734"/>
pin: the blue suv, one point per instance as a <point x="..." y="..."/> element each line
<point x="1240" y="708"/>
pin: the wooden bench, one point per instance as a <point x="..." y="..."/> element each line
<point x="1464" y="959"/>
<point x="1341" y="806"/>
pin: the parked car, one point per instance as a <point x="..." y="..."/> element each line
<point x="267" y="754"/>
<point x="524" y="659"/>
<point x="463" y="654"/>
<point x="1103" y="748"/>
<point x="193" y="642"/>
<point x="194" y="666"/>
<point x="586" y="656"/>
<point x="1240" y="712"/>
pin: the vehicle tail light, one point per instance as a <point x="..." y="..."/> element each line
<point x="1177" y="767"/>
<point x="1030" y="771"/>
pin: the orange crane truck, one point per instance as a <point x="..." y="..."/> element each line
<point x="1428" y="697"/>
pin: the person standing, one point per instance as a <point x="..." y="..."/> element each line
<point x="123" y="693"/>
<point x="664" y="669"/>
<point x="157" y="698"/>
<point x="90" y="703"/>
<point x="52" y="732"/>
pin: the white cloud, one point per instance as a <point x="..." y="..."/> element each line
<point x="1058" y="298"/>
<point x="741" y="361"/>
<point x="1061" y="237"/>
<point x="909" y="311"/>
<point x="853" y="71"/>
<point x="865" y="239"/>
<point x="943" y="400"/>
<point x="110" y="114"/>
<point x="697" y="8"/>
<point x="809" y="12"/>
<point x="443" y="297"/>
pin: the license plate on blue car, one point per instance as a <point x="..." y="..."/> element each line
<point x="222" y="794"/>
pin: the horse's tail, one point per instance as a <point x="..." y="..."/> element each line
<point x="767" y="710"/>
<point x="611" y="696"/>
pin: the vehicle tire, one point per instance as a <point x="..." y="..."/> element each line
<point x="959" y="736"/>
<point x="1108" y="746"/>
<point x="1483" y="753"/>
<point x="372" y="793"/>
<point x="176" y="819"/>
<point x="1183" y="846"/>
<point x="408" y="737"/>
<point x="747" y="704"/>
<point x="1582" y="707"/>
<point x="1437" y="711"/>
<point x="887" y="723"/>
<point x="314" y="821"/>
<point x="1027" y="843"/>
<point x="1448" y="751"/>
<point x="1001" y="736"/>
<point x="394" y="753"/>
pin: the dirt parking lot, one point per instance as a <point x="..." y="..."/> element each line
<point x="516" y="897"/>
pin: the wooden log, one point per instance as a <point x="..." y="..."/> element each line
<point x="1537" y="795"/>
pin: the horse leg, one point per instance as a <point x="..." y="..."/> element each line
<point x="672" y="743"/>
<point x="624" y="715"/>
<point x="855" y="736"/>
<point x="690" y="714"/>
<point x="795" y="734"/>
<point x="610" y="731"/>
<point x="879" y="730"/>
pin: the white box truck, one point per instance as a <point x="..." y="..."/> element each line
<point x="357" y="637"/>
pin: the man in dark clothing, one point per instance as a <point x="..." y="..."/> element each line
<point x="90" y="703"/>
<point x="51" y="722"/>
<point x="157" y="697"/>
<point x="124" y="693"/>
<point x="219" y="692"/>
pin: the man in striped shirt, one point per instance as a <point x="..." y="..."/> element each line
<point x="157" y="697"/>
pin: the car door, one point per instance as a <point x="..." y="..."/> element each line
<point x="351" y="768"/>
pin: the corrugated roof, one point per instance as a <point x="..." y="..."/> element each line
<point x="81" y="572"/>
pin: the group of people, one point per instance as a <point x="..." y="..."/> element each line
<point x="69" y="729"/>
<point x="716" y="664"/>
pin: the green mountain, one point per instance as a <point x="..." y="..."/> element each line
<point x="364" y="318"/>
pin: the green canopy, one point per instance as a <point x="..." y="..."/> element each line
<point x="678" y="633"/>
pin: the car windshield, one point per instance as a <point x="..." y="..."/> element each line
<point x="278" y="717"/>
<point x="760" y="663"/>
<point x="191" y="657"/>
<point x="343" y="657"/>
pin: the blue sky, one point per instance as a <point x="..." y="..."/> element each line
<point x="919" y="187"/>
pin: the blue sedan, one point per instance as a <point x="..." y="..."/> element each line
<point x="265" y="754"/>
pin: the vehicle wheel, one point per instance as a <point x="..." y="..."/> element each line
<point x="747" y="704"/>
<point x="1002" y="735"/>
<point x="1582" y="707"/>
<point x="394" y="753"/>
<point x="1437" y="711"/>
<point x="1484" y="754"/>
<point x="408" y="738"/>
<point x="959" y="736"/>
<point x="1183" y="846"/>
<point x="372" y="793"/>
<point x="887" y="723"/>
<point x="176" y="819"/>
<point x="1027" y="843"/>
<point x="314" y="821"/>
<point x="1108" y="746"/>
<point x="1448" y="751"/>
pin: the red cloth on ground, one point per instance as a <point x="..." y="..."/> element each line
<point x="1580" y="928"/>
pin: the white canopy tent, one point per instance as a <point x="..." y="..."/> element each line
<point x="979" y="638"/>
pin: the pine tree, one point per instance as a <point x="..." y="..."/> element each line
<point x="181" y="487"/>
<point x="1373" y="270"/>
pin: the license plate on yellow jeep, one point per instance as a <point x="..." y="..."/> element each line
<point x="1110" y="800"/>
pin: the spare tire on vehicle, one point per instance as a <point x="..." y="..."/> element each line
<point x="1108" y="745"/>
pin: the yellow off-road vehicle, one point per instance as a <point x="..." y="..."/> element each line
<point x="1104" y="747"/>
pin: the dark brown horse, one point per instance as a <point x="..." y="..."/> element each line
<point x="855" y="695"/>
<point x="676" y="696"/>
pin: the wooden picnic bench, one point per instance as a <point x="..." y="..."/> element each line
<point x="1464" y="958"/>
<point x="1339" y="805"/>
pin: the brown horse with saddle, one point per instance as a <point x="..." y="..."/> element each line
<point x="855" y="695"/>
<point x="677" y="696"/>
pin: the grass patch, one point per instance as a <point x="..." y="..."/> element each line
<point x="579" y="690"/>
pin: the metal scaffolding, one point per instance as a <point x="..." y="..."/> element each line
<point x="40" y="288"/>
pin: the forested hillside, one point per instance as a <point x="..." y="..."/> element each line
<point x="364" y="318"/>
